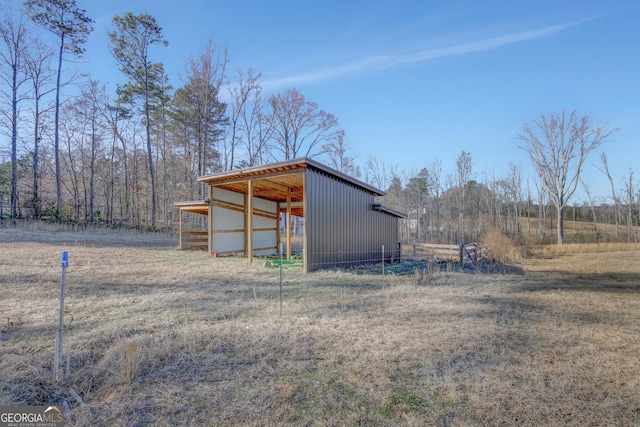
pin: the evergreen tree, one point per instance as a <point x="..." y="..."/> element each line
<point x="130" y="44"/>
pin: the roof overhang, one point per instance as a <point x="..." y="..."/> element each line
<point x="277" y="181"/>
<point x="382" y="208"/>
<point x="197" y="206"/>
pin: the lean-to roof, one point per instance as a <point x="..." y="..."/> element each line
<point x="272" y="181"/>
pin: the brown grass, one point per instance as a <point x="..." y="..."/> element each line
<point x="497" y="247"/>
<point x="158" y="336"/>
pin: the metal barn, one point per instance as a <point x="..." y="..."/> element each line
<point x="342" y="222"/>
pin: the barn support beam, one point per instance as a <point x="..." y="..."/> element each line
<point x="210" y="220"/>
<point x="180" y="235"/>
<point x="249" y="216"/>
<point x="278" y="222"/>
<point x="288" y="223"/>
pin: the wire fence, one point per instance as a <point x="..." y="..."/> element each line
<point x="312" y="259"/>
<point x="93" y="264"/>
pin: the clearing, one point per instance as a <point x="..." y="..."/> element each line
<point x="158" y="336"/>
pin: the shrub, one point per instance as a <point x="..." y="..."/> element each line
<point x="500" y="248"/>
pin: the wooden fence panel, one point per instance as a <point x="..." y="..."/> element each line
<point x="194" y="240"/>
<point x="467" y="254"/>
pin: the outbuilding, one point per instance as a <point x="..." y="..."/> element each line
<point x="343" y="224"/>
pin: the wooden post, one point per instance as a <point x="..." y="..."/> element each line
<point x="180" y="235"/>
<point x="288" y="223"/>
<point x="210" y="220"/>
<point x="474" y="256"/>
<point x="278" y="222"/>
<point x="249" y="228"/>
<point x="245" y="222"/>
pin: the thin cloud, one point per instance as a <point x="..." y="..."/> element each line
<point x="389" y="61"/>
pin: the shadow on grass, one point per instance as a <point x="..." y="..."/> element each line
<point x="570" y="281"/>
<point x="105" y="238"/>
<point x="513" y="312"/>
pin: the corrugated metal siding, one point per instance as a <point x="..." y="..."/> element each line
<point x="341" y="227"/>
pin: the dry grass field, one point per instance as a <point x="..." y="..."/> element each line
<point x="158" y="336"/>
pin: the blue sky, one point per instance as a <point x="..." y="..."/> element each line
<point x="414" y="81"/>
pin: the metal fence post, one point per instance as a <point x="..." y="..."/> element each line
<point x="382" y="266"/>
<point x="281" y="249"/>
<point x="57" y="360"/>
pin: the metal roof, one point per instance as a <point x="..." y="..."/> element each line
<point x="381" y="208"/>
<point x="272" y="181"/>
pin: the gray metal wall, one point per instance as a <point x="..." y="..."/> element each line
<point x="341" y="228"/>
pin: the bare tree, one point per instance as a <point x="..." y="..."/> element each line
<point x="587" y="190"/>
<point x="89" y="110"/>
<point x="543" y="210"/>
<point x="68" y="22"/>
<point x="338" y="153"/>
<point x="38" y="66"/>
<point x="630" y="191"/>
<point x="513" y="189"/>
<point x="12" y="74"/>
<point x="241" y="93"/>
<point x="434" y="184"/>
<point x="464" y="168"/>
<point x="558" y="146"/>
<point x="376" y="174"/>
<point x="258" y="129"/>
<point x="529" y="205"/>
<point x="495" y="203"/>
<point x="300" y="127"/>
<point x="416" y="196"/>
<point x="397" y="200"/>
<point x="250" y="126"/>
<point x="614" y="196"/>
<point x="117" y="118"/>
<point x="72" y="140"/>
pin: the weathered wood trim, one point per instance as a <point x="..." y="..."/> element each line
<point x="240" y="208"/>
<point x="241" y="230"/>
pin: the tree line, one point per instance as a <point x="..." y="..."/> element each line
<point x="464" y="205"/>
<point x="79" y="150"/>
<point x="76" y="149"/>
